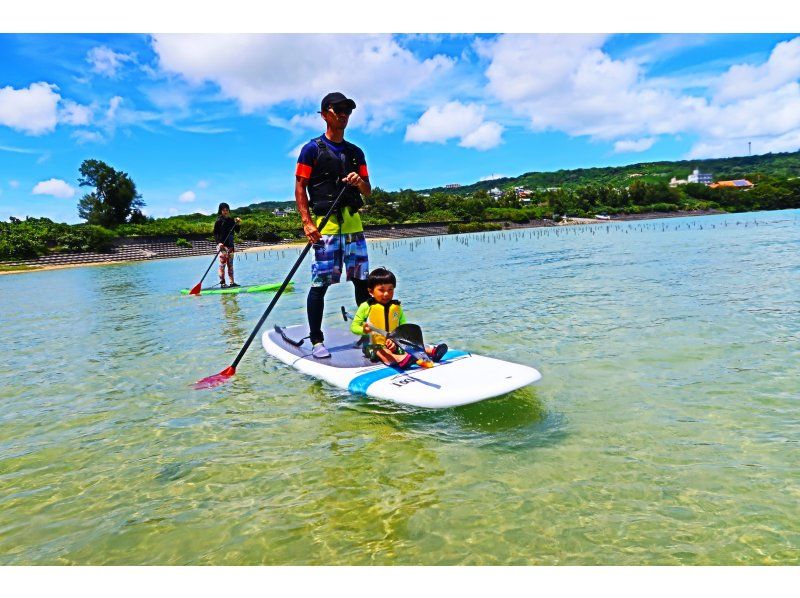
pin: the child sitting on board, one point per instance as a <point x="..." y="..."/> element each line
<point x="384" y="312"/>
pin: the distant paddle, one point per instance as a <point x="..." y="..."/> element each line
<point x="198" y="287"/>
<point x="230" y="371"/>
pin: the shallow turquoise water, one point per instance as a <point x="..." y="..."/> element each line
<point x="665" y="429"/>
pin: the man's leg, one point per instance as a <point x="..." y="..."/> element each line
<point x="315" y="306"/>
<point x="356" y="264"/>
<point x="325" y="271"/>
<point x="361" y="292"/>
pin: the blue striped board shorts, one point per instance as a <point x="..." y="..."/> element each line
<point x="334" y="251"/>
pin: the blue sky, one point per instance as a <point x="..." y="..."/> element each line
<point x="198" y="119"/>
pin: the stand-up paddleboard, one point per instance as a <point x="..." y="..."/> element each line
<point x="259" y="288"/>
<point x="459" y="378"/>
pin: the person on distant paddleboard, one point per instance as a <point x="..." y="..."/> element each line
<point x="224" y="229"/>
<point x="383" y="311"/>
<point x="327" y="166"/>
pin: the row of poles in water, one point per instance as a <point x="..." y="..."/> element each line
<point x="465" y="239"/>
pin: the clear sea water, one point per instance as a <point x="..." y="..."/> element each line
<point x="665" y="429"/>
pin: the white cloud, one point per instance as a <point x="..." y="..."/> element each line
<point x="204" y="129"/>
<point x="16" y="150"/>
<point x="13" y="184"/>
<point x="173" y="212"/>
<point x="84" y="136"/>
<point x="527" y="66"/>
<point x="310" y="120"/>
<point x="666" y="46"/>
<point x="263" y="70"/>
<point x="55" y="187"/>
<point x="106" y="62"/>
<point x="486" y="136"/>
<point x="113" y="117"/>
<point x="567" y="83"/>
<point x="113" y="107"/>
<point x="455" y="120"/>
<point x="493" y="177"/>
<point x="202" y="184"/>
<point x="634" y="145"/>
<point x="187" y="196"/>
<point x="31" y="110"/>
<point x="745" y="80"/>
<point x="570" y="84"/>
<point x="294" y="153"/>
<point x="72" y="113"/>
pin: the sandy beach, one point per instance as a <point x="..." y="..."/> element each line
<point x="419" y="231"/>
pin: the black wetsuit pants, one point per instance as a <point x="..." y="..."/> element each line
<point x="315" y="305"/>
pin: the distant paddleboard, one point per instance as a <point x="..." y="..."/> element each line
<point x="459" y="379"/>
<point x="259" y="288"/>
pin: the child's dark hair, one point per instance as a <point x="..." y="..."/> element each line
<point x="223" y="206"/>
<point x="380" y="276"/>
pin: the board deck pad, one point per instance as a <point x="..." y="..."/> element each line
<point x="459" y="379"/>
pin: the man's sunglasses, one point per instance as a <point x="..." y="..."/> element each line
<point x="341" y="109"/>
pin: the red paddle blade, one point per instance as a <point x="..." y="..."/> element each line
<point x="195" y="289"/>
<point x="216" y="379"/>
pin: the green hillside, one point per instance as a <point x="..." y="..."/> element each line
<point x="783" y="165"/>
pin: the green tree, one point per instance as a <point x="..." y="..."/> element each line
<point x="114" y="200"/>
<point x="410" y="203"/>
<point x="509" y="199"/>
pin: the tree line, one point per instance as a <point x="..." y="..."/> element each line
<point x="113" y="208"/>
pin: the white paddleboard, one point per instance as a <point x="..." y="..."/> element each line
<point x="459" y="378"/>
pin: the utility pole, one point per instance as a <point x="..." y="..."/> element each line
<point x="749" y="143"/>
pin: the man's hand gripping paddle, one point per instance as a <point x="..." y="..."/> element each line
<point x="408" y="335"/>
<point x="230" y="371"/>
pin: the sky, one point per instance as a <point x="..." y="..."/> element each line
<point x="196" y="119"/>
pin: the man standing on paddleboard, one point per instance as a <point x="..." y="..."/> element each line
<point x="329" y="167"/>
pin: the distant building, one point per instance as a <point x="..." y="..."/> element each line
<point x="452" y="186"/>
<point x="700" y="177"/>
<point x="738" y="183"/>
<point x="280" y="212"/>
<point x="496" y="192"/>
<point x="676" y="181"/>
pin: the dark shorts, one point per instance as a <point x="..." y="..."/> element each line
<point x="336" y="252"/>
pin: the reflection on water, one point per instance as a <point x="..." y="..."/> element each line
<point x="662" y="431"/>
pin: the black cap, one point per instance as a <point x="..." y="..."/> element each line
<point x="336" y="98"/>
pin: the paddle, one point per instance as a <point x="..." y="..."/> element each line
<point x="409" y="335"/>
<point x="228" y="373"/>
<point x="196" y="288"/>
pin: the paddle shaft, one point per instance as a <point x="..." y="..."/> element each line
<point x="286" y="281"/>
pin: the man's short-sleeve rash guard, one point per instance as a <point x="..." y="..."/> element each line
<point x="351" y="223"/>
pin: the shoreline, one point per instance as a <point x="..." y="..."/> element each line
<point x="76" y="262"/>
